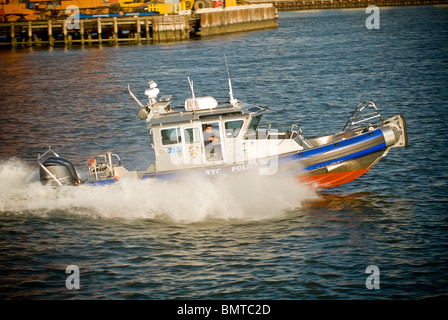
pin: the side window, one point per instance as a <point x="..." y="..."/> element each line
<point x="251" y="132"/>
<point x="170" y="136"/>
<point x="191" y="135"/>
<point x="233" y="128"/>
<point x="254" y="123"/>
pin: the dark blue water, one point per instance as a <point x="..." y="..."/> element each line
<point x="241" y="238"/>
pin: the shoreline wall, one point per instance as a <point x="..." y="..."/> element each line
<point x="170" y="28"/>
<point x="236" y="19"/>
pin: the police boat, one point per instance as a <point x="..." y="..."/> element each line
<point x="209" y="139"/>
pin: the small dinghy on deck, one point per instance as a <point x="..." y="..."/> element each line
<point x="207" y="138"/>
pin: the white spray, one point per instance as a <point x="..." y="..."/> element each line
<point x="247" y="196"/>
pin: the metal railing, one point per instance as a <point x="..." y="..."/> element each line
<point x="359" y="117"/>
<point x="104" y="169"/>
<point x="294" y="132"/>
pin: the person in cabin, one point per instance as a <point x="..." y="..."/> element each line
<point x="211" y="143"/>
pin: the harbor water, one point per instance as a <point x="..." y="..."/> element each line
<point x="246" y="237"/>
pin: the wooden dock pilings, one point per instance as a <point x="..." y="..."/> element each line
<point x="97" y="30"/>
<point x="139" y="29"/>
<point x="171" y="28"/>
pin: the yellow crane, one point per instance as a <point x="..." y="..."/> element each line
<point x="164" y="7"/>
<point x="12" y="10"/>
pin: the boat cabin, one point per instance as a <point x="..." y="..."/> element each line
<point x="204" y="133"/>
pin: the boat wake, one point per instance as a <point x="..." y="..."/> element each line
<point x="243" y="197"/>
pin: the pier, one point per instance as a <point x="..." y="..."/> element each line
<point x="98" y="30"/>
<point x="139" y="29"/>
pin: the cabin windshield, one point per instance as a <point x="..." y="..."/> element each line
<point x="251" y="132"/>
<point x="254" y="123"/>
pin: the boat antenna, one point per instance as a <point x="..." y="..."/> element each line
<point x="135" y="98"/>
<point x="192" y="92"/>
<point x="233" y="101"/>
<point x="190" y="82"/>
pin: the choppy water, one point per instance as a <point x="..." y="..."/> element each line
<point x="241" y="238"/>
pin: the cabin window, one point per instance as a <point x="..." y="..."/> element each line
<point x="192" y="135"/>
<point x="170" y="136"/>
<point x="251" y="132"/>
<point x="254" y="123"/>
<point x="233" y="128"/>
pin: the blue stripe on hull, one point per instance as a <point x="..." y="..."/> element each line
<point x="101" y="182"/>
<point x="346" y="158"/>
<point x="329" y="147"/>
